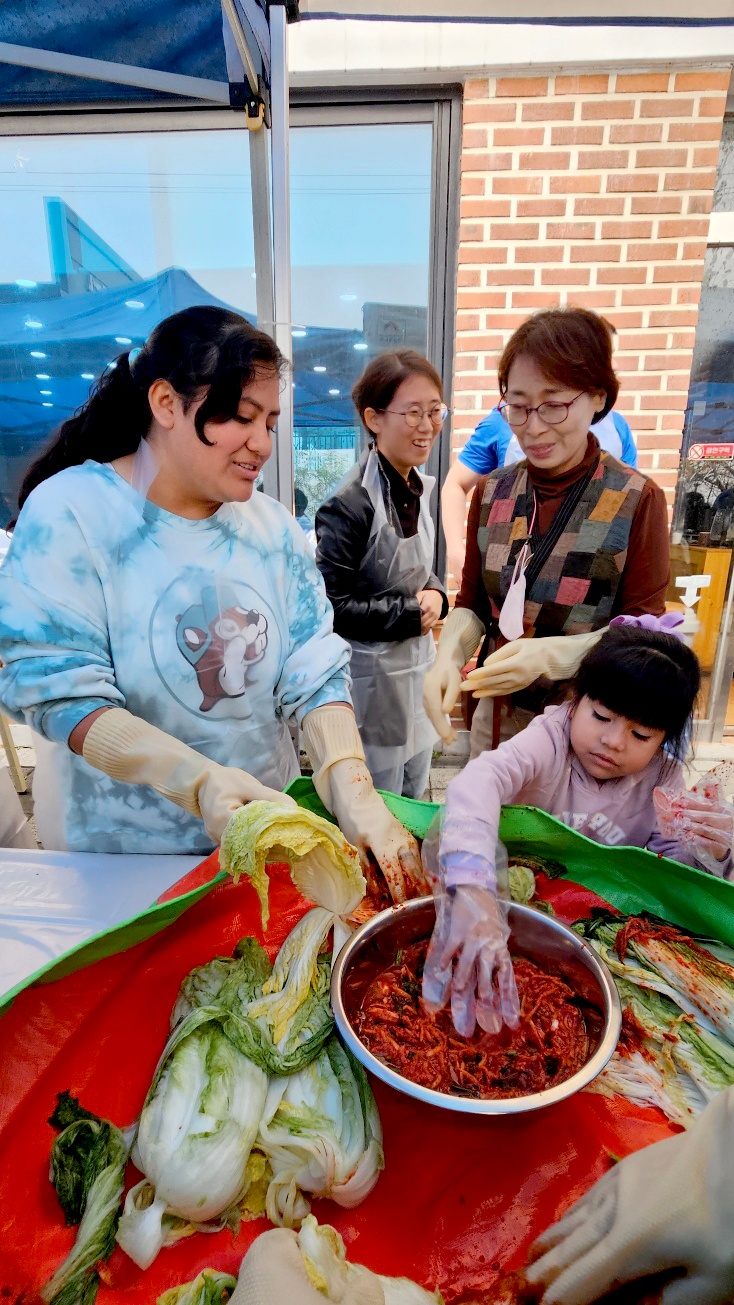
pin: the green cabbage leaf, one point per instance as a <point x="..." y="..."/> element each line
<point x="88" y="1161"/>
<point x="210" y="1287"/>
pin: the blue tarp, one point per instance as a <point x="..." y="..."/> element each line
<point x="79" y="335"/>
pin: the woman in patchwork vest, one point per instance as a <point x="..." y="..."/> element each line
<point x="557" y="545"/>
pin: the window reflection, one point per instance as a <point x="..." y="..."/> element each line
<point x="360" y="235"/>
<point x="703" y="524"/>
<point x="106" y="234"/>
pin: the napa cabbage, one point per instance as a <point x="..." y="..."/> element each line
<point x="321" y="1135"/>
<point x="208" y="1097"/>
<point x="325" y="868"/>
<point x="210" y="1287"/>
<point x="194" y="1138"/>
<point x="325" y="1260"/>
<point x="88" y="1161"/>
<point x="667" y="985"/>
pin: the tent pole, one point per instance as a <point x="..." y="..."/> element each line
<point x="280" y="163"/>
<point x="262" y="238"/>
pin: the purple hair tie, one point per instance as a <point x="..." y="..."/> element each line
<point x="670" y="623"/>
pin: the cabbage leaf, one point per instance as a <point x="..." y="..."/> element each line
<point x="322" y="1135"/>
<point x="88" y="1162"/>
<point x="325" y="1260"/>
<point x="324" y="867"/>
<point x="681" y="1062"/>
<point x="194" y="1137"/>
<point x="210" y="1287"/>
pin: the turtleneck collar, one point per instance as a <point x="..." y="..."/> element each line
<point x="547" y="485"/>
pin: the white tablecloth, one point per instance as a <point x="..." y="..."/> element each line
<point x="50" y="901"/>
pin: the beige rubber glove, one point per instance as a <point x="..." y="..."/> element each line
<point x="461" y="635"/>
<point x="344" y="784"/>
<point x="273" y="1273"/>
<point x="129" y="749"/>
<point x="669" y="1207"/>
<point x="518" y="664"/>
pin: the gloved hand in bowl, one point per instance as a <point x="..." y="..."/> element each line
<point x="468" y="961"/>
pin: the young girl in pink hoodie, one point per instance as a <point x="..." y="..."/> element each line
<point x="595" y="762"/>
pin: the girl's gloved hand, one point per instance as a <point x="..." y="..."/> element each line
<point x="709" y="822"/>
<point x="699" y="819"/>
<point x="469" y="962"/>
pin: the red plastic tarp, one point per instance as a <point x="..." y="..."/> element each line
<point x="458" y="1204"/>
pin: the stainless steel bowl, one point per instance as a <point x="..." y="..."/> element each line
<point x="539" y="937"/>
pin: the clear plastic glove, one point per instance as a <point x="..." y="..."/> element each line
<point x="460" y="637"/>
<point x="518" y="664"/>
<point x="469" y="962"/>
<point x="700" y="820"/>
<point x="667" y="1208"/>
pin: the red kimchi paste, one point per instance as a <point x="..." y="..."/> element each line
<point x="550" y="1044"/>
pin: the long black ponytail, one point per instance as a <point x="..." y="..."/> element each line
<point x="202" y="349"/>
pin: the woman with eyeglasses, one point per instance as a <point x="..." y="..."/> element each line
<point x="557" y="544"/>
<point x="375" y="551"/>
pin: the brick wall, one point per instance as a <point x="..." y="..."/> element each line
<point x="591" y="190"/>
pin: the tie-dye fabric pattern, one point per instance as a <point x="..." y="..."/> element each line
<point x="217" y="631"/>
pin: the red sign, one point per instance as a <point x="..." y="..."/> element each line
<point x="697" y="451"/>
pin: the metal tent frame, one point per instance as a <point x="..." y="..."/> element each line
<point x="255" y="34"/>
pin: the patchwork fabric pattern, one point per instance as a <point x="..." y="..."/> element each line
<point x="575" y="590"/>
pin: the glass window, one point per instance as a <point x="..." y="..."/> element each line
<point x="105" y="235"/>
<point x="360" y="239"/>
<point x="703" y="524"/>
<point x="107" y="232"/>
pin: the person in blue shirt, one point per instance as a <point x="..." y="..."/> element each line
<point x="161" y="624"/>
<point x="493" y="445"/>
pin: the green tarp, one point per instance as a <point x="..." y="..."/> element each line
<point x="628" y="878"/>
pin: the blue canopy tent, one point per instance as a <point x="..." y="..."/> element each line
<point x="50" y="355"/>
<point x="233" y="52"/>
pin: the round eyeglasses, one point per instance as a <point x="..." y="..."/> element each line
<point x="414" y="416"/>
<point x="552" y="413"/>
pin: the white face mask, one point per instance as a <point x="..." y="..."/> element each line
<point x="511" y="617"/>
<point x="513" y="609"/>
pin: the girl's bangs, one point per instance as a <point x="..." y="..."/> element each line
<point x="644" y="687"/>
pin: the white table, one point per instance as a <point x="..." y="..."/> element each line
<point x="51" y="901"/>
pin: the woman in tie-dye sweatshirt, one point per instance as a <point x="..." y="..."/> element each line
<point x="161" y="623"/>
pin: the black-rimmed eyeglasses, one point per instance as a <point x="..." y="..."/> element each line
<point x="552" y="413"/>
